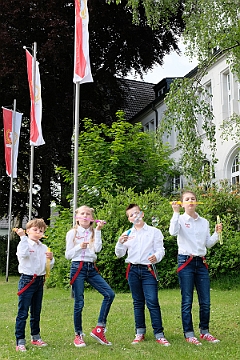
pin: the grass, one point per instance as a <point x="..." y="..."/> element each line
<point x="57" y="327"/>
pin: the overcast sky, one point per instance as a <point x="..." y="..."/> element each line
<point x="174" y="66"/>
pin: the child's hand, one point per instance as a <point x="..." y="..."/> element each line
<point x="100" y="224"/>
<point x="19" y="231"/>
<point x="218" y="227"/>
<point x="152" y="259"/>
<point x="84" y="245"/>
<point x="176" y="206"/>
<point x="123" y="238"/>
<point x="49" y="255"/>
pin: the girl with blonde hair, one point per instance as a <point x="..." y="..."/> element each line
<point x="82" y="244"/>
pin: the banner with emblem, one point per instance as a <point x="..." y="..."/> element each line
<point x="12" y="124"/>
<point x="82" y="68"/>
<point x="36" y="137"/>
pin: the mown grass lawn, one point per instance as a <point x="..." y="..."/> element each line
<point x="57" y="327"/>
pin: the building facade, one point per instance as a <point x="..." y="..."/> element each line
<point x="224" y="97"/>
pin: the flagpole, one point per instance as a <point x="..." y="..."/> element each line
<point x="11" y="186"/>
<point x="76" y="135"/>
<point x="32" y="146"/>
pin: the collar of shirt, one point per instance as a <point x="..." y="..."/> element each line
<point x="188" y="217"/>
<point x="33" y="243"/>
<point x="82" y="230"/>
<point x="144" y="227"/>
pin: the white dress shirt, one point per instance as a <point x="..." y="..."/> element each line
<point x="32" y="257"/>
<point x="77" y="236"/>
<point x="141" y="244"/>
<point x="193" y="235"/>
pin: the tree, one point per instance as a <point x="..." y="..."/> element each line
<point x="116" y="47"/>
<point x="119" y="155"/>
<point x="211" y="29"/>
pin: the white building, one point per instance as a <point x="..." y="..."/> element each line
<point x="225" y="101"/>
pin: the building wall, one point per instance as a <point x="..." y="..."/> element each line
<point x="225" y="88"/>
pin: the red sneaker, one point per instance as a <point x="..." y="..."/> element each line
<point x="21" y="348"/>
<point x="138" y="338"/>
<point x="193" y="340"/>
<point x="209" y="338"/>
<point x="163" y="341"/>
<point x="98" y="333"/>
<point x="78" y="341"/>
<point x="39" y="343"/>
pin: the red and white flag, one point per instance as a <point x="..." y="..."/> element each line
<point x="11" y="139"/>
<point x="82" y="68"/>
<point x="36" y="137"/>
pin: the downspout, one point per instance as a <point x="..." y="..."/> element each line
<point x="156" y="112"/>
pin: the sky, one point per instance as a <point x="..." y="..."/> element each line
<point x="174" y="66"/>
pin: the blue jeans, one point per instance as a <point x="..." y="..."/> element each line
<point x="30" y="298"/>
<point x="144" y="289"/>
<point x="90" y="274"/>
<point x="195" y="273"/>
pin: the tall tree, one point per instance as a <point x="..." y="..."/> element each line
<point x="212" y="28"/>
<point x="116" y="46"/>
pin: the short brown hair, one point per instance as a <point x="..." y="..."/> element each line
<point x="130" y="206"/>
<point x="190" y="192"/>
<point x="40" y="223"/>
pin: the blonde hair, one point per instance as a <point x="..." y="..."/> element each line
<point x="91" y="241"/>
<point x="39" y="223"/>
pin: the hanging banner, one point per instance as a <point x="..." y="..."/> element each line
<point x="11" y="139"/>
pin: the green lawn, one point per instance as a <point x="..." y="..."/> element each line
<point x="57" y="327"/>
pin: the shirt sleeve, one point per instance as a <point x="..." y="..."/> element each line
<point x="211" y="240"/>
<point x="97" y="241"/>
<point x="159" y="250"/>
<point x="120" y="249"/>
<point x="174" y="224"/>
<point x="72" y="249"/>
<point x="23" y="248"/>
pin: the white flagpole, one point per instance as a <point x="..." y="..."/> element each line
<point x="76" y="135"/>
<point x="11" y="186"/>
<point x="32" y="146"/>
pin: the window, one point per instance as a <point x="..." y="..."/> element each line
<point x="235" y="172"/>
<point x="150" y="126"/>
<point x="176" y="183"/>
<point x="226" y="94"/>
<point x="208" y="97"/>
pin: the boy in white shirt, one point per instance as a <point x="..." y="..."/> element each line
<point x="144" y="247"/>
<point x="32" y="257"/>
<point x="193" y="238"/>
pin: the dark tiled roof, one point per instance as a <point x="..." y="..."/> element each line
<point x="137" y="95"/>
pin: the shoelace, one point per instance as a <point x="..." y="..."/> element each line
<point x="164" y="341"/>
<point x="209" y="337"/>
<point x="138" y="337"/>
<point x="194" y="340"/>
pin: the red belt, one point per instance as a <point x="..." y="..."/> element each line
<point x="78" y="271"/>
<point x="27" y="286"/>
<point x="148" y="266"/>
<point x="189" y="260"/>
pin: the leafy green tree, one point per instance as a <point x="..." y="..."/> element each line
<point x="119" y="155"/>
<point x="211" y="29"/>
<point x="116" y="47"/>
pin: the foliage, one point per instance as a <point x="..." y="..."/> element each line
<point x="118" y="155"/>
<point x="116" y="47"/>
<point x="223" y="259"/>
<point x="211" y="29"/>
<point x="13" y="264"/>
<point x="183" y="112"/>
<point x="231" y="128"/>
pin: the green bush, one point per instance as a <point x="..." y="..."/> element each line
<point x="222" y="259"/>
<point x="13" y="262"/>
